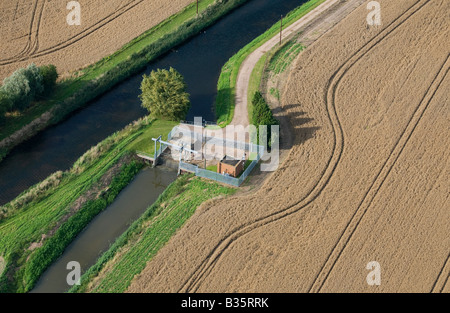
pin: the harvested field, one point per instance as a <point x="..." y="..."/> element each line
<point x="366" y="178"/>
<point x="37" y="31"/>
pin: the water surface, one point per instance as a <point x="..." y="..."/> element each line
<point x="106" y="227"/>
<point x="199" y="60"/>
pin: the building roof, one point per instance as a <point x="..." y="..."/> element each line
<point x="230" y="161"/>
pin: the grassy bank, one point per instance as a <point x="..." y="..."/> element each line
<point x="283" y="57"/>
<point x="273" y="63"/>
<point x="55" y="245"/>
<point x="95" y="80"/>
<point x="255" y="82"/>
<point x="37" y="226"/>
<point x="226" y="87"/>
<point x="128" y="256"/>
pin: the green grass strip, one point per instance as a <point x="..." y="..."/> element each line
<point x="40" y="209"/>
<point x="56" y="245"/>
<point x="129" y="255"/>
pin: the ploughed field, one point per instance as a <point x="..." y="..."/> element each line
<point x="366" y="178"/>
<point x="37" y="30"/>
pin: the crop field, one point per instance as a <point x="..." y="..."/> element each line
<point x="37" y="30"/>
<point x="365" y="180"/>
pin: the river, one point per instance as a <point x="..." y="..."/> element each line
<point x="199" y="60"/>
<point x="97" y="237"/>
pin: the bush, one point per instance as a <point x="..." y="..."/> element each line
<point x="23" y="86"/>
<point x="5" y="105"/>
<point x="164" y="95"/>
<point x="49" y="77"/>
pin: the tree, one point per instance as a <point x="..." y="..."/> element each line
<point x="17" y="87"/>
<point x="262" y="116"/>
<point x="22" y="86"/>
<point x="164" y="95"/>
<point x="49" y="77"/>
<point x="34" y="76"/>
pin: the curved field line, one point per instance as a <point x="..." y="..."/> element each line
<point x="445" y="284"/>
<point x="15" y="11"/>
<point x="379" y="180"/>
<point x="193" y="282"/>
<point x="108" y="19"/>
<point x="438" y="288"/>
<point x="32" y="44"/>
<point x="35" y="46"/>
<point x="30" y="32"/>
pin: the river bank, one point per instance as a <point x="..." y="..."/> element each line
<point x="38" y="225"/>
<point x="128" y="256"/>
<point x="199" y="60"/>
<point x="89" y="83"/>
<point x="106" y="227"/>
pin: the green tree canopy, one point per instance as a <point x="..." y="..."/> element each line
<point x="262" y="115"/>
<point x="49" y="77"/>
<point x="5" y="105"/>
<point x="5" y="102"/>
<point x="23" y="85"/>
<point x="164" y="95"/>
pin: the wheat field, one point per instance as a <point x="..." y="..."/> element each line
<point x="365" y="180"/>
<point x="37" y="31"/>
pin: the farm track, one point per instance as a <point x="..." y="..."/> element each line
<point x="30" y="33"/>
<point x="32" y="44"/>
<point x="441" y="280"/>
<point x="194" y="281"/>
<point x="27" y="45"/>
<point x="31" y="49"/>
<point x="15" y="10"/>
<point x="35" y="47"/>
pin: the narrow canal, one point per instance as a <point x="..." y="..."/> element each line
<point x="199" y="60"/>
<point x="131" y="203"/>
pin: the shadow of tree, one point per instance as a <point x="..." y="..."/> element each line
<point x="293" y="125"/>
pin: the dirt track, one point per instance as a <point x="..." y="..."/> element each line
<point x="246" y="69"/>
<point x="37" y="31"/>
<point x="366" y="179"/>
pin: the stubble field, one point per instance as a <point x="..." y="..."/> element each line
<point x="366" y="178"/>
<point x="37" y="30"/>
